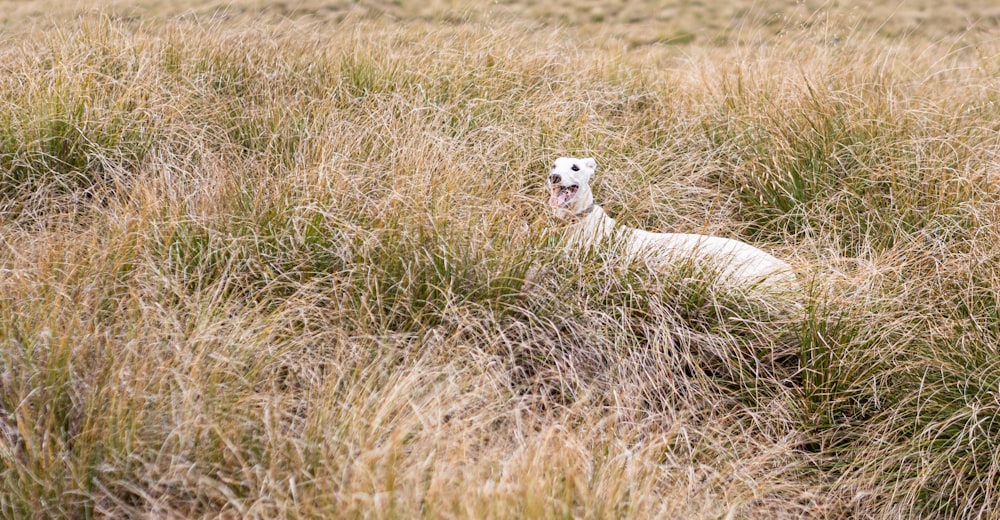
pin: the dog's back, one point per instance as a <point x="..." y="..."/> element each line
<point x="734" y="260"/>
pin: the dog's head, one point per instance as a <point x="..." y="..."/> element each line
<point x="569" y="182"/>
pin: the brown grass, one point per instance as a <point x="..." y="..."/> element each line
<point x="293" y="260"/>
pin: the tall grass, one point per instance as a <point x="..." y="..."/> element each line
<point x="305" y="269"/>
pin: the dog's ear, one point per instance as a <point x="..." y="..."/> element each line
<point x="591" y="164"/>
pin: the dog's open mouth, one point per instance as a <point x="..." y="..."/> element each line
<point x="562" y="194"/>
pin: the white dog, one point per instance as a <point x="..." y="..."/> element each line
<point x="736" y="262"/>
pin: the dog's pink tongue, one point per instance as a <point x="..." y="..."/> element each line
<point x="558" y="198"/>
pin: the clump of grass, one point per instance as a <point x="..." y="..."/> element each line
<point x="78" y="120"/>
<point x="851" y="155"/>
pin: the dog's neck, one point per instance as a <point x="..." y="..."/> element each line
<point x="584" y="213"/>
<point x="590" y="226"/>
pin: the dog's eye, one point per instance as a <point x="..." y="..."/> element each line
<point x="575" y="168"/>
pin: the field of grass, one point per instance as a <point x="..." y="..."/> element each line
<point x="293" y="259"/>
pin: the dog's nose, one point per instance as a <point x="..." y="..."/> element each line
<point x="555" y="178"/>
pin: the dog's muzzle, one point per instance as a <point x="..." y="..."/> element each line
<point x="561" y="195"/>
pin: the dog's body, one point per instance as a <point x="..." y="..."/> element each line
<point x="736" y="262"/>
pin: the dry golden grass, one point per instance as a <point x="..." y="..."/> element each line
<point x="293" y="260"/>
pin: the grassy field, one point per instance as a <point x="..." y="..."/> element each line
<point x="293" y="259"/>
